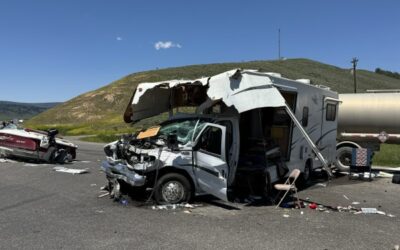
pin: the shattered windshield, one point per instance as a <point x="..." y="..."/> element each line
<point x="184" y="129"/>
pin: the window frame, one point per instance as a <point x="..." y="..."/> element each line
<point x="304" y="119"/>
<point x="331" y="111"/>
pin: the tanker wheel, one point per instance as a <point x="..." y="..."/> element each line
<point x="344" y="158"/>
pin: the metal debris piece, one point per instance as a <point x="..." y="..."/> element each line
<point x="102" y="195"/>
<point x="347" y="198"/>
<point x="321" y="184"/>
<point x="70" y="170"/>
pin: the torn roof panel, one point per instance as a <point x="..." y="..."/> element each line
<point x="243" y="89"/>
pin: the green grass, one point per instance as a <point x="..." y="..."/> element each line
<point x="389" y="155"/>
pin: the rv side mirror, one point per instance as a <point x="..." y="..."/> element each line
<point x="172" y="142"/>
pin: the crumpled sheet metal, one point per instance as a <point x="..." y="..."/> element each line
<point x="121" y="171"/>
<point x="242" y="89"/>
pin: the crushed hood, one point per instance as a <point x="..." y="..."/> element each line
<point x="242" y="89"/>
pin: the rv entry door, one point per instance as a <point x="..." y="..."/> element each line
<point x="210" y="166"/>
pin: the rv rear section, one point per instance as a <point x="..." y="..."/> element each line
<point x="248" y="131"/>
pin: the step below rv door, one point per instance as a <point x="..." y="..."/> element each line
<point x="210" y="166"/>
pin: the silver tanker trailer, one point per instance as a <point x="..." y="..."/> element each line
<point x="367" y="120"/>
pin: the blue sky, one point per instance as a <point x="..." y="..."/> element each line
<point x="55" y="50"/>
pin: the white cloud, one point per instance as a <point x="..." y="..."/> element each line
<point x="118" y="38"/>
<point x="166" y="45"/>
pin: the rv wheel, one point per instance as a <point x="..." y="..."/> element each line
<point x="172" y="189"/>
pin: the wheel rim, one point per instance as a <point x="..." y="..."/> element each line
<point x="172" y="191"/>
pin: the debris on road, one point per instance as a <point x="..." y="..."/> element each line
<point x="30" y="165"/>
<point x="5" y="160"/>
<point x="103" y="195"/>
<point x="320" y="184"/>
<point x="70" y="170"/>
<point x="174" y="206"/>
<point x="368" y="210"/>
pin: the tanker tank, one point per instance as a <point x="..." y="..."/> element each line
<point x="370" y="113"/>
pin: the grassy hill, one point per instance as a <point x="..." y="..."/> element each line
<point x="100" y="111"/>
<point x="18" y="110"/>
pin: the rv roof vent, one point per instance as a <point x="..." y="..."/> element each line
<point x="323" y="87"/>
<point x="273" y="74"/>
<point x="305" y="81"/>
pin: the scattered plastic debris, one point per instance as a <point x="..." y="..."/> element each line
<point x="355" y="203"/>
<point x="93" y="184"/>
<point x="4" y="160"/>
<point x="187" y="212"/>
<point x="347" y="198"/>
<point x="30" y="165"/>
<point x="313" y="205"/>
<point x="369" y="210"/>
<point x="396" y="247"/>
<point x="391" y="215"/>
<point x="70" y="170"/>
<point x="320" y="184"/>
<point x="124" y="202"/>
<point x="286" y="216"/>
<point x="99" y="211"/>
<point x="174" y="206"/>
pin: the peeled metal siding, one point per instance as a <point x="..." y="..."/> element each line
<point x="369" y="113"/>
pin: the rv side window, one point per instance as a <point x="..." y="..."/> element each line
<point x="304" y="120"/>
<point x="210" y="140"/>
<point x="330" y="112"/>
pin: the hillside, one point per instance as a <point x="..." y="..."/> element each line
<point x="17" y="110"/>
<point x="101" y="110"/>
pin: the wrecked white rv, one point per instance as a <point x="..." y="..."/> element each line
<point x="249" y="130"/>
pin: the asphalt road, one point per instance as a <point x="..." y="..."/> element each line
<point x="44" y="209"/>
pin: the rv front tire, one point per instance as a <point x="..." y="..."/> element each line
<point x="172" y="188"/>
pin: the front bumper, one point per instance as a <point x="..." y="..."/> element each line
<point x="122" y="172"/>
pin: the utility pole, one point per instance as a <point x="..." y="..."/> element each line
<point x="279" y="44"/>
<point x="354" y="62"/>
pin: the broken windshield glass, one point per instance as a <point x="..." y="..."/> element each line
<point x="184" y="129"/>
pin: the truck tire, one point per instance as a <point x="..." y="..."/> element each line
<point x="172" y="188"/>
<point x="344" y="158"/>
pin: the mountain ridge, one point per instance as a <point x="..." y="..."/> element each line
<point x="101" y="110"/>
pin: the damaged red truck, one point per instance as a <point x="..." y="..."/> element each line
<point x="248" y="131"/>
